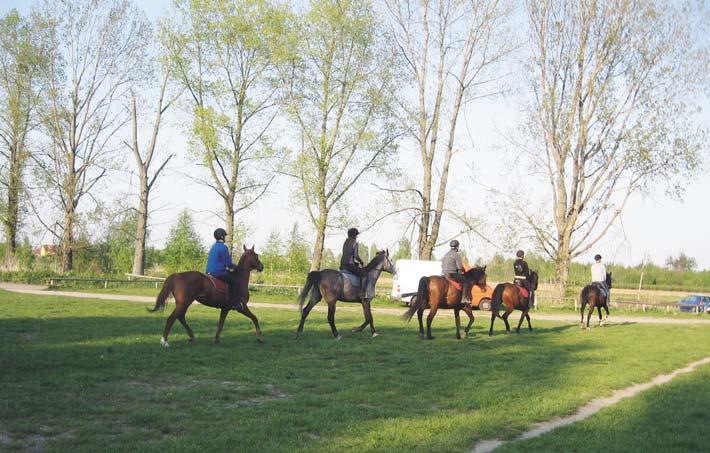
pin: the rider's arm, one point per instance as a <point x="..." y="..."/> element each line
<point x="459" y="264"/>
<point x="356" y="248"/>
<point x="226" y="259"/>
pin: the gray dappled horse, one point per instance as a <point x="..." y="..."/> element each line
<point x="334" y="286"/>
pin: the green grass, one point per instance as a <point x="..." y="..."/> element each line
<point x="673" y="417"/>
<point x="89" y="375"/>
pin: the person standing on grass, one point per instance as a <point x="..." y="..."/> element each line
<point x="599" y="276"/>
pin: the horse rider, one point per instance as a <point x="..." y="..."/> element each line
<point x="522" y="272"/>
<point x="219" y="265"/>
<point x="351" y="261"/>
<point x="452" y="267"/>
<point x="599" y="276"/>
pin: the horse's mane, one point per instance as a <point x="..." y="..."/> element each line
<point x="475" y="273"/>
<point x="379" y="256"/>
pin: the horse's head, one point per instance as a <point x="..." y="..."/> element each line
<point x="381" y="261"/>
<point x="250" y="260"/>
<point x="533" y="280"/>
<point x="477" y="275"/>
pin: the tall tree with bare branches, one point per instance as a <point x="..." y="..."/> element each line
<point x="338" y="93"/>
<point x="614" y="87"/>
<point x="23" y="63"/>
<point x="222" y="53"/>
<point x="144" y="158"/>
<point x="98" y="50"/>
<point x="448" y="48"/>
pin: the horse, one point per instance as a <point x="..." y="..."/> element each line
<point x="592" y="295"/>
<point x="437" y="292"/>
<point x="334" y="286"/>
<point x="509" y="295"/>
<point x="186" y="287"/>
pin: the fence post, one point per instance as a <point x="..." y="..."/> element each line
<point x="105" y="284"/>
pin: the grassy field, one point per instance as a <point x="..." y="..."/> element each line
<point x="85" y="375"/>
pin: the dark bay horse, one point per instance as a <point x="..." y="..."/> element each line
<point x="186" y="287"/>
<point x="334" y="286"/>
<point x="437" y="292"/>
<point x="592" y="295"/>
<point x="508" y="296"/>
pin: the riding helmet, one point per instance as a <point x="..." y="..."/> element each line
<point x="353" y="232"/>
<point x="454" y="244"/>
<point x="520" y="254"/>
<point x="220" y="234"/>
<point x="597" y="257"/>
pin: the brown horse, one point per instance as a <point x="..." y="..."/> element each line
<point x="186" y="287"/>
<point x="592" y="295"/>
<point x="438" y="292"/>
<point x="335" y="286"/>
<point x="509" y="295"/>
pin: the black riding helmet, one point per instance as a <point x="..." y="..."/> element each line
<point x="353" y="232"/>
<point x="454" y="244"/>
<point x="597" y="257"/>
<point x="520" y="254"/>
<point x="220" y="234"/>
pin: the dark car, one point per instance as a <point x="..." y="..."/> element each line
<point x="695" y="303"/>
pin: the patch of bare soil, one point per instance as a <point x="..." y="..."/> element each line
<point x="591" y="408"/>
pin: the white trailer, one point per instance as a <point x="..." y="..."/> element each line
<point x="406" y="277"/>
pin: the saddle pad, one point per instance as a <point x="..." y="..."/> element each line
<point x="523" y="291"/>
<point x="455" y="284"/>
<point x="354" y="279"/>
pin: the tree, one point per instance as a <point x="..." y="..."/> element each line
<point x="144" y="160"/>
<point x="338" y="93"/>
<point x="404" y="250"/>
<point x="447" y="48"/>
<point x="297" y="252"/>
<point x="183" y="250"/>
<point x="613" y="85"/>
<point x="272" y="255"/>
<point x="681" y="263"/>
<point x="222" y="53"/>
<point x="97" y="52"/>
<point x="120" y="242"/>
<point x="23" y="63"/>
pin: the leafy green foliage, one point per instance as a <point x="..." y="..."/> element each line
<point x="682" y="262"/>
<point x="184" y="250"/>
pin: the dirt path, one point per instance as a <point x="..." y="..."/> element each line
<point x="572" y="318"/>
<point x="591" y="408"/>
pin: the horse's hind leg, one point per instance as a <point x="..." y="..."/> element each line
<point x="494" y="313"/>
<point x="246" y="312"/>
<point x="306" y="310"/>
<point x="589" y="314"/>
<point x="599" y="310"/>
<point x="182" y="320"/>
<point x="331" y="319"/>
<point x="220" y="324"/>
<point x="168" y="325"/>
<point x="420" y="315"/>
<point x="505" y="320"/>
<point x="527" y="316"/>
<point x="429" y="319"/>
<point x="581" y="310"/>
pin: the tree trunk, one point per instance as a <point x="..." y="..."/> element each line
<point x="141" y="227"/>
<point x="229" y="220"/>
<point x="425" y="247"/>
<point x="13" y="206"/>
<point x="68" y="241"/>
<point x="318" y="247"/>
<point x="562" y="262"/>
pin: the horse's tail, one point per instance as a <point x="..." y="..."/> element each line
<point x="497" y="297"/>
<point x="421" y="301"/>
<point x="163" y="296"/>
<point x="312" y="283"/>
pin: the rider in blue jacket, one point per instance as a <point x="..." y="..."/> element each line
<point x="219" y="265"/>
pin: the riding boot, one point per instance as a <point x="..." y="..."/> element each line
<point x="234" y="297"/>
<point x="466" y="292"/>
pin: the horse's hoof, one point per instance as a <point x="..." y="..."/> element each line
<point x="430" y="337"/>
<point x="581" y="326"/>
<point x="260" y="340"/>
<point x="338" y="338"/>
<point x="192" y="340"/>
<point x="216" y="340"/>
<point x="374" y="335"/>
<point x="490" y="334"/>
<point x="357" y="330"/>
<point x="421" y="335"/>
<point x="517" y="331"/>
<point x="164" y="343"/>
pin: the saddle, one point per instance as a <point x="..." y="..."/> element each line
<point x="454" y="283"/>
<point x="220" y="286"/>
<point x="524" y="293"/>
<point x="354" y="278"/>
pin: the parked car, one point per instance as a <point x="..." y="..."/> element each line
<point x="695" y="303"/>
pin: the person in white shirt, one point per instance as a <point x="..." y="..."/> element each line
<point x="599" y="275"/>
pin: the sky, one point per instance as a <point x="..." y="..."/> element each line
<point x="652" y="227"/>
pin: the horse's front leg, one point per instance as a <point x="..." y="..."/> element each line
<point x="246" y="312"/>
<point x="599" y="310"/>
<point x="420" y="316"/>
<point x="527" y="316"/>
<point x="458" y="323"/>
<point x="368" y="318"/>
<point x="220" y="324"/>
<point x="520" y="323"/>
<point x="365" y="306"/>
<point x="589" y="315"/>
<point x="469" y="312"/>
